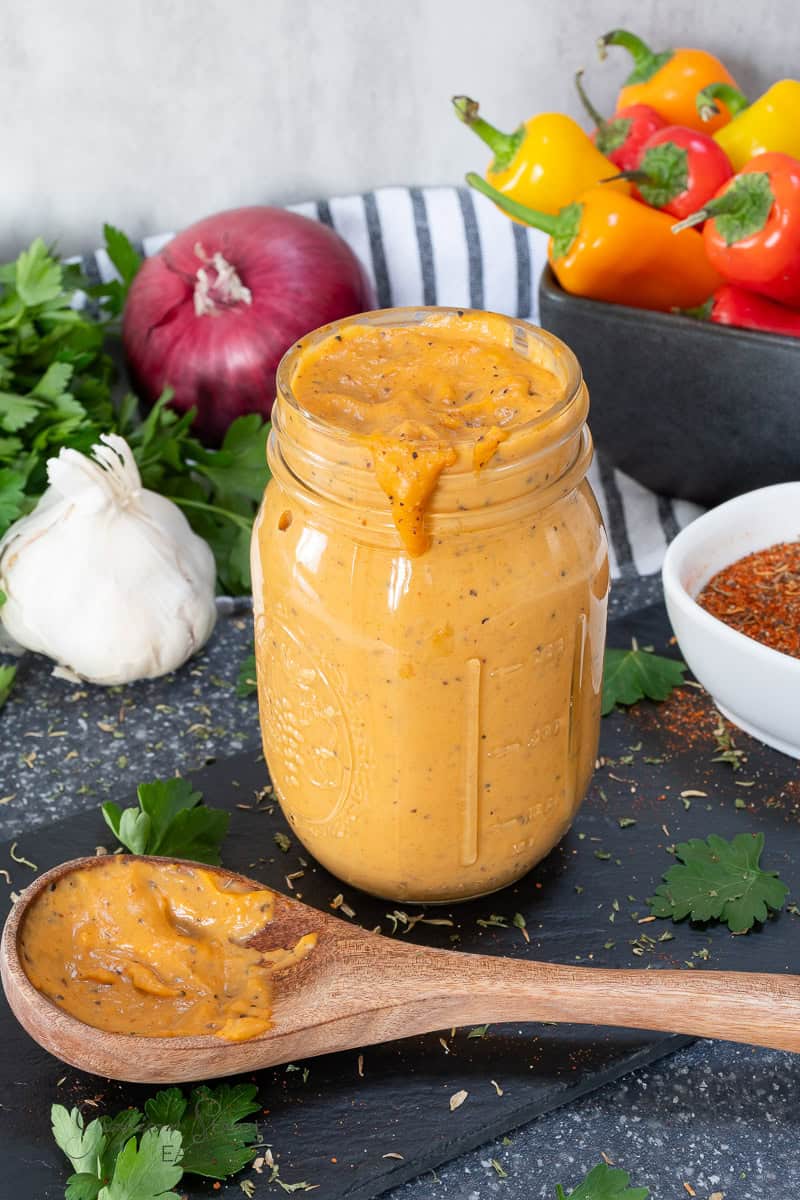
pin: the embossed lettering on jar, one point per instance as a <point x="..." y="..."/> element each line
<point x="429" y="649"/>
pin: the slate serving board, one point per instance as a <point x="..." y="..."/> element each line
<point x="334" y="1125"/>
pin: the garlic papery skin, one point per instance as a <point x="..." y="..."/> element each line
<point x="104" y="576"/>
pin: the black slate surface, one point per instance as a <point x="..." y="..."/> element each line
<point x="401" y="1104"/>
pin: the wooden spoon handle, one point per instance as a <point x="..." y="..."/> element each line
<point x="758" y="1009"/>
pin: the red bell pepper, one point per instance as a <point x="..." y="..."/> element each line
<point x="752" y="230"/>
<point x="678" y="170"/>
<point x="733" y="305"/>
<point x="621" y="138"/>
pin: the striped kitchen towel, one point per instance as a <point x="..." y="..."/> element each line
<point x="448" y="245"/>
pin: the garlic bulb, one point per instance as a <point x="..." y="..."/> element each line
<point x="104" y="576"/>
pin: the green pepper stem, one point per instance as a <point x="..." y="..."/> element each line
<point x="695" y="218"/>
<point x="729" y="202"/>
<point x="547" y="222"/>
<point x="701" y="312"/>
<point x="639" y="51"/>
<point x="599" y="120"/>
<point x="503" y="145"/>
<point x="645" y="61"/>
<point x="734" y="100"/>
<point x="636" y="175"/>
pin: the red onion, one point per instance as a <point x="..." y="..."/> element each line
<point x="212" y="313"/>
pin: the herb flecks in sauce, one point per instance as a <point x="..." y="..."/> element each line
<point x="155" y="949"/>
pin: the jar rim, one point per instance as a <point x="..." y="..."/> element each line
<point x="411" y="315"/>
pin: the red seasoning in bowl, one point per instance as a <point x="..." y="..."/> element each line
<point x="759" y="595"/>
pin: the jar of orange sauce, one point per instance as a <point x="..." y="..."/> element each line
<point x="430" y="580"/>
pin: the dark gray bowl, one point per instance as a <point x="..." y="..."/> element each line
<point x="690" y="409"/>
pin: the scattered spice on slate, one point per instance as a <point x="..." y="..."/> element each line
<point x="759" y="596"/>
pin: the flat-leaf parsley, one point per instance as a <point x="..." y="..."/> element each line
<point x="636" y="674"/>
<point x="721" y="881"/>
<point x="170" y="820"/>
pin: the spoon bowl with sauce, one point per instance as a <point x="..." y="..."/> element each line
<point x="227" y="977"/>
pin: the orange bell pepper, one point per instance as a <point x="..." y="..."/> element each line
<point x="669" y="81"/>
<point x="608" y="246"/>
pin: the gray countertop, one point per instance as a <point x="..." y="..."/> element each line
<point x="716" y="1117"/>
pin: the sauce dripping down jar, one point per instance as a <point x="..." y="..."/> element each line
<point x="430" y="692"/>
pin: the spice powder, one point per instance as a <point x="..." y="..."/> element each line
<point x="759" y="595"/>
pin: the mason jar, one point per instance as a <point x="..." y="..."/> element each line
<point x="430" y="721"/>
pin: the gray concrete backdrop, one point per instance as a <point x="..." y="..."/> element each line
<point x="152" y="113"/>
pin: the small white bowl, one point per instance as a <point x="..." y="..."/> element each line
<point x="752" y="685"/>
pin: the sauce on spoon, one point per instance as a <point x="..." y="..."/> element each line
<point x="157" y="949"/>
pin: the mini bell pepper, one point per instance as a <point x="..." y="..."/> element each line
<point x="669" y="81"/>
<point x="679" y="170"/>
<point x="770" y="123"/>
<point x="733" y="305"/>
<point x="752" y="230"/>
<point x="622" y="136"/>
<point x="606" y="246"/>
<point x="545" y="163"/>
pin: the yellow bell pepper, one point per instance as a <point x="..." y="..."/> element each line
<point x="545" y="163"/>
<point x="771" y="123"/>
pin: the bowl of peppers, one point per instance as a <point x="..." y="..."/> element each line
<point x="674" y="265"/>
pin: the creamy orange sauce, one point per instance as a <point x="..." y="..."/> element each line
<point x="416" y="394"/>
<point x="155" y="949"/>
<point x="430" y="702"/>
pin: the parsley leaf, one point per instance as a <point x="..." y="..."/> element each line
<point x="83" y="1187"/>
<point x="124" y="257"/>
<point x="148" y="1171"/>
<point x="216" y="1139"/>
<point x="16" y="411"/>
<point x="117" y="1131"/>
<point x="171" y="821"/>
<point x="12" y="495"/>
<point x="82" y="1144"/>
<point x="166" y="1108"/>
<point x="38" y="275"/>
<point x="126" y="261"/>
<point x="604" y="1183"/>
<point x="720" y="880"/>
<point x="246" y="684"/>
<point x="632" y="675"/>
<point x="7" y="677"/>
<point x="205" y="1135"/>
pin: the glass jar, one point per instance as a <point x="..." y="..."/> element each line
<point x="431" y="723"/>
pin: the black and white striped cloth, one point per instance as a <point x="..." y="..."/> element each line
<point x="447" y="245"/>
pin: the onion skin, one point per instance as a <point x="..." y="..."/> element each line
<point x="297" y="274"/>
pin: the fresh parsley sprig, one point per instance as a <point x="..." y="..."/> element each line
<point x="58" y="387"/>
<point x="717" y="880"/>
<point x="638" y="674"/>
<point x="142" y="1155"/>
<point x="170" y="820"/>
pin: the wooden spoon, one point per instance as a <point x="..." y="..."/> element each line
<point x="358" y="988"/>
